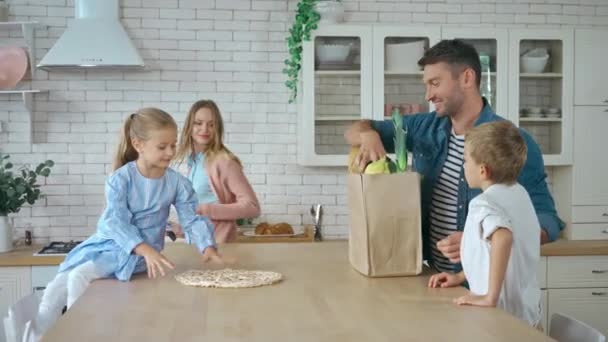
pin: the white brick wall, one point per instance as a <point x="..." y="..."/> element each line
<point x="230" y="51"/>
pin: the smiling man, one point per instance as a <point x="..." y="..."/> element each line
<point x="452" y="75"/>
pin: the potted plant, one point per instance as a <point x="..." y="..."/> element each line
<point x="15" y="190"/>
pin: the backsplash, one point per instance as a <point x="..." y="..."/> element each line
<point x="229" y="51"/>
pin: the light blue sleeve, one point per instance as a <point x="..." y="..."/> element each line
<point x="198" y="229"/>
<point x="115" y="222"/>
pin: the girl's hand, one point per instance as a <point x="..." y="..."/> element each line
<point x="155" y="262"/>
<point x="211" y="255"/>
<point x="444" y="279"/>
<point x="203" y="210"/>
<point x="471" y="299"/>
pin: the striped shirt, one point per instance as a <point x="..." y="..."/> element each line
<point x="444" y="201"/>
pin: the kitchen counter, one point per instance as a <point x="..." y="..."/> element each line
<point x="320" y="299"/>
<point x="23" y="255"/>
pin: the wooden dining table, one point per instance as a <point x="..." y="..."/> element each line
<point x="321" y="298"/>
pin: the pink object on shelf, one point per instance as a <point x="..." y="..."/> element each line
<point x="13" y="66"/>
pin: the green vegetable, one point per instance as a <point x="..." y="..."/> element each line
<point x="399" y="141"/>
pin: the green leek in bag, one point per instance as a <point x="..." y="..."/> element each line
<point x="399" y="141"/>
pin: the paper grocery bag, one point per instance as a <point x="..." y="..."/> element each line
<point x="385" y="224"/>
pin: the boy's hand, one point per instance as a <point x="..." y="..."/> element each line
<point x="211" y="255"/>
<point x="154" y="260"/>
<point x="444" y="279"/>
<point x="471" y="299"/>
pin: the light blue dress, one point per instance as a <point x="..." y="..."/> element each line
<point x="137" y="209"/>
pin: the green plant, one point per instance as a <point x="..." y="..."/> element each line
<point x="304" y="23"/>
<point x="243" y="222"/>
<point x="17" y="189"/>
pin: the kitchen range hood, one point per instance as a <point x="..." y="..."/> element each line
<point x="94" y="39"/>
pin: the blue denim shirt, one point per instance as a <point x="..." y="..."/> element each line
<point x="427" y="139"/>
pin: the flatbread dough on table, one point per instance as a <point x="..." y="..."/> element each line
<point x="228" y="278"/>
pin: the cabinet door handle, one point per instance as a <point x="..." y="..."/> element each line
<point x="598" y="271"/>
<point x="606" y="101"/>
<point x="605" y="110"/>
<point x="605" y="214"/>
<point x="605" y="231"/>
<point x="598" y="293"/>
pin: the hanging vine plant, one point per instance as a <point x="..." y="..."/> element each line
<point x="305" y="22"/>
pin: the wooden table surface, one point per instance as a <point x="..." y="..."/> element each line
<point x="321" y="299"/>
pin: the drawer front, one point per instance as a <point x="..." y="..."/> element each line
<point x="588" y="231"/>
<point x="542" y="273"/>
<point x="589" y="213"/>
<point x="577" y="271"/>
<point x="586" y="305"/>
<point x="545" y="313"/>
<point x="42" y="275"/>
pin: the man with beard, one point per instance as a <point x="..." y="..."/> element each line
<point x="452" y="77"/>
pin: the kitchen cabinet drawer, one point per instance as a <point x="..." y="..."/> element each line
<point x="590" y="214"/>
<point x="15" y="283"/>
<point x="586" y="305"/>
<point x="545" y="312"/>
<point x="542" y="272"/>
<point x="577" y="271"/>
<point x="588" y="231"/>
<point x="42" y="275"/>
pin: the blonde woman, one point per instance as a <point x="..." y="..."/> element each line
<point x="223" y="191"/>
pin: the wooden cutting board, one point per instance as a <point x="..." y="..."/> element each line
<point x="307" y="236"/>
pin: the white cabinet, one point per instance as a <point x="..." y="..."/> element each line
<point x="590" y="159"/>
<point x="494" y="43"/>
<point x="589" y="305"/>
<point x="397" y="78"/>
<point x="350" y="72"/>
<point x="533" y="96"/>
<point x="41" y="276"/>
<point x="336" y="91"/>
<point x="591" y="70"/>
<point x="15" y="283"/>
<point x="578" y="286"/>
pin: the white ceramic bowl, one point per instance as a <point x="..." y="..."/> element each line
<point x="552" y="110"/>
<point x="533" y="65"/>
<point x="534" y="110"/>
<point x="332" y="53"/>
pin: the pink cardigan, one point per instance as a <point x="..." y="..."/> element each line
<point x="235" y="196"/>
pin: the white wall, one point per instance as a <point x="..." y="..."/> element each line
<point x="227" y="50"/>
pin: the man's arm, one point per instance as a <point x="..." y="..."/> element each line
<point x="533" y="178"/>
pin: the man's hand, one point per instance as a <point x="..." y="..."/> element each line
<point x="371" y="148"/>
<point x="450" y="247"/>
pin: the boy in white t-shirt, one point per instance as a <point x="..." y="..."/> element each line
<point x="500" y="248"/>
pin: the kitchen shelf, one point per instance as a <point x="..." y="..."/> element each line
<point x="27" y="96"/>
<point x="27" y="30"/>
<point x="403" y="73"/>
<point x="337" y="72"/>
<point x="529" y="119"/>
<point x="338" y="118"/>
<point x="541" y="75"/>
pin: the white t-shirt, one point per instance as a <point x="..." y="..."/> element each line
<point x="507" y="206"/>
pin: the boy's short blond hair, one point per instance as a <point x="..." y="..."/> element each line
<point x="501" y="147"/>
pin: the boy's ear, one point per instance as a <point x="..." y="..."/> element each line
<point x="486" y="173"/>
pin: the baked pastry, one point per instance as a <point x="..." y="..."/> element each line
<point x="281" y="228"/>
<point x="263" y="229"/>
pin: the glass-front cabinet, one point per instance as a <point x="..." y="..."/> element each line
<point x="540" y="89"/>
<point x="336" y="91"/>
